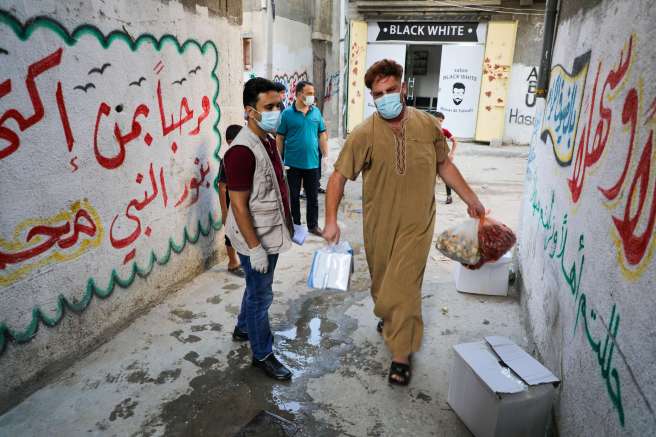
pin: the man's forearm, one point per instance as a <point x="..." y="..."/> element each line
<point x="323" y="144"/>
<point x="223" y="201"/>
<point x="334" y="195"/>
<point x="453" y="178"/>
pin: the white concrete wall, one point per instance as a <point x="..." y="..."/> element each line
<point x="520" y="107"/>
<point x="587" y="236"/>
<point x="107" y="167"/>
<point x="292" y="54"/>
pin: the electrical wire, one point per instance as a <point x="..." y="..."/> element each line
<point x="508" y="8"/>
<point x="498" y="9"/>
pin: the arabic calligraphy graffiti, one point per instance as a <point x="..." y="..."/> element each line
<point x="290" y="81"/>
<point x="629" y="198"/>
<point x="570" y="269"/>
<point x="563" y="107"/>
<point x="59" y="235"/>
<point x="130" y="135"/>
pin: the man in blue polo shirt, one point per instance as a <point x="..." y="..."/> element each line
<point x="300" y="136"/>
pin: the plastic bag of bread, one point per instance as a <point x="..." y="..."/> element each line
<point x="460" y="243"/>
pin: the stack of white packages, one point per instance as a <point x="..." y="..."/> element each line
<point x="332" y="267"/>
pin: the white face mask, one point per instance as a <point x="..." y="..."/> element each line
<point x="308" y="100"/>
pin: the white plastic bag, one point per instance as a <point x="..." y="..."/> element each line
<point x="460" y="243"/>
<point x="332" y="267"/>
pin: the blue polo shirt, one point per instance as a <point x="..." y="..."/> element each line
<point x="301" y="132"/>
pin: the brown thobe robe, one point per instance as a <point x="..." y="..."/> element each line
<point x="399" y="216"/>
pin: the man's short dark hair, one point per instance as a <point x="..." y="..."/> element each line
<point x="232" y="131"/>
<point x="302" y="84"/>
<point x="280" y="87"/>
<point x="383" y="68"/>
<point x="459" y="85"/>
<point x="439" y="115"/>
<point x="254" y="87"/>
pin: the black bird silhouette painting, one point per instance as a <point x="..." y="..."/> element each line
<point x="85" y="88"/>
<point x="195" y="70"/>
<point x="137" y="82"/>
<point x="179" y="82"/>
<point x="100" y="70"/>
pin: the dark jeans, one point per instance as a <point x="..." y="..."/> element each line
<point x="254" y="315"/>
<point x="310" y="181"/>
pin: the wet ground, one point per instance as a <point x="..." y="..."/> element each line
<point x="175" y="371"/>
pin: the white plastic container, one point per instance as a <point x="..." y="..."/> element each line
<point x="491" y="278"/>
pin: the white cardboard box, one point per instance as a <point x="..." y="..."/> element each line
<point x="491" y="278"/>
<point x="499" y="390"/>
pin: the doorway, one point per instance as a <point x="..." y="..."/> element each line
<point x="422" y="64"/>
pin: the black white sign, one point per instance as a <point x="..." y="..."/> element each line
<point x="427" y="31"/>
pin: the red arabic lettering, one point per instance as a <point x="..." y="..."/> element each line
<point x="184" y="196"/>
<point x="120" y="243"/>
<point x="55" y="236"/>
<point x="33" y="71"/>
<point x="635" y="246"/>
<point x="63" y="116"/>
<point x="586" y="157"/>
<point x="629" y="115"/>
<point x="206" y="111"/>
<point x="165" y="196"/>
<point x="167" y="129"/>
<point x="115" y="161"/>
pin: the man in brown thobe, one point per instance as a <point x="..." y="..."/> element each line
<point x="400" y="151"/>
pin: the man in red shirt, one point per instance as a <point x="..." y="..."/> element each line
<point x="259" y="222"/>
<point x="449" y="136"/>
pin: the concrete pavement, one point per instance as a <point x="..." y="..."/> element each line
<point x="176" y="371"/>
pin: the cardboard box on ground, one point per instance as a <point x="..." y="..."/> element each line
<point x="499" y="390"/>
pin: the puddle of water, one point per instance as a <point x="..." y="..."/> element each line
<point x="315" y="332"/>
<point x="289" y="334"/>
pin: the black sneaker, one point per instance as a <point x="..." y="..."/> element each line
<point x="273" y="368"/>
<point x="239" y="335"/>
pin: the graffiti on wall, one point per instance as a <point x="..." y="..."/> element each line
<point x="570" y="258"/>
<point x="563" y="107"/>
<point x="515" y="116"/>
<point x="615" y="112"/>
<point x="290" y="81"/>
<point x="629" y="195"/>
<point x="110" y="155"/>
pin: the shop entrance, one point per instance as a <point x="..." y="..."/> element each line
<point x="422" y="66"/>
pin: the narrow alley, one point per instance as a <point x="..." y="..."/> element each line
<point x="155" y="154"/>
<point x="176" y="371"/>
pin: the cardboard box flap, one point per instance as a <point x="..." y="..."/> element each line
<point x="485" y="364"/>
<point x="530" y="370"/>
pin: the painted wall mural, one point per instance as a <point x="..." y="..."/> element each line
<point x="591" y="192"/>
<point x="108" y="161"/>
<point x="290" y="81"/>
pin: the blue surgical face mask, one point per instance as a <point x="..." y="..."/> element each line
<point x="389" y="106"/>
<point x="270" y="121"/>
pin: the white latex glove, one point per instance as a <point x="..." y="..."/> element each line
<point x="259" y="259"/>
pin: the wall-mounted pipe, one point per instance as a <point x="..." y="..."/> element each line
<point x="551" y="11"/>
